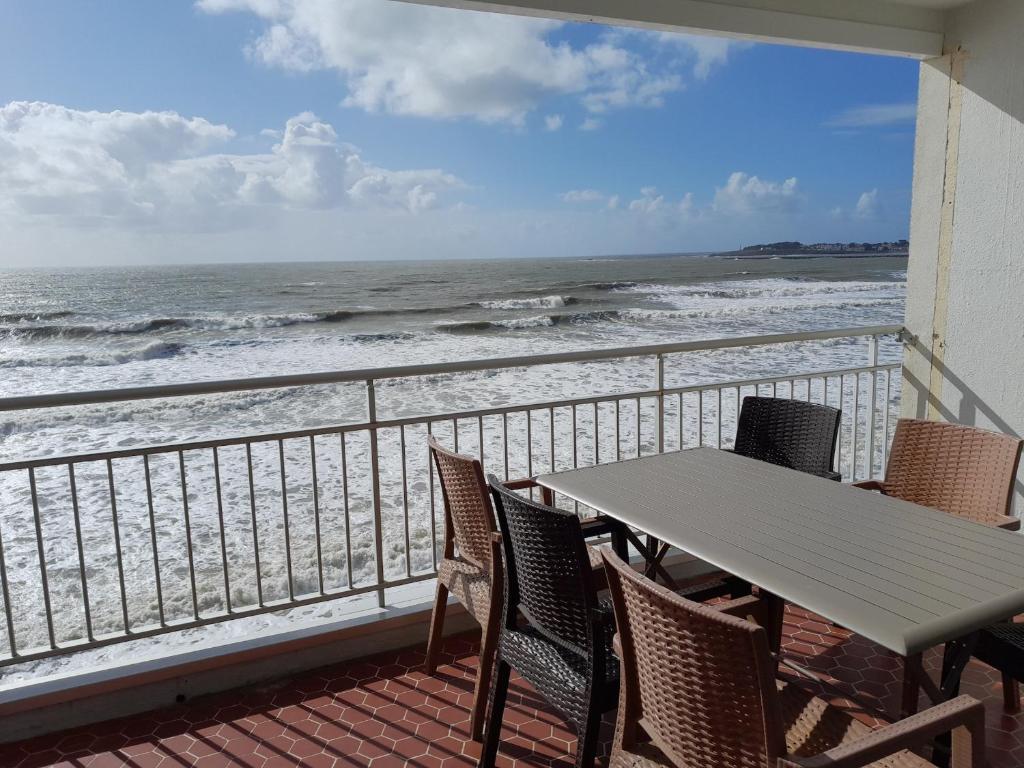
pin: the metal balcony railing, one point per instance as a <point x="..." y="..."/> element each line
<point x="100" y="548"/>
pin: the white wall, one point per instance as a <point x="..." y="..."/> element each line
<point x="966" y="283"/>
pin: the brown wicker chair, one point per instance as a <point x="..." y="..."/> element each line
<point x="465" y="568"/>
<point x="698" y="690"/>
<point x="965" y="471"/>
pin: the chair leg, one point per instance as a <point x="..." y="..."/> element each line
<point x="586" y="747"/>
<point x="436" y="627"/>
<point x="492" y="736"/>
<point x="1011" y="694"/>
<point x="488" y="650"/>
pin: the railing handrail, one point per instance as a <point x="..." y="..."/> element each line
<point x="431" y="418"/>
<point x="58" y="400"/>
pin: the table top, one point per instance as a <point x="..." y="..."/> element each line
<point x="902" y="575"/>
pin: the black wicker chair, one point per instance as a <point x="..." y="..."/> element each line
<point x="789" y="433"/>
<point x="1002" y="646"/>
<point x="564" y="647"/>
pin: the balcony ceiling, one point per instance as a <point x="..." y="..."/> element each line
<point x="911" y="28"/>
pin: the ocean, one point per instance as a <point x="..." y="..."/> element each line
<point x="100" y="328"/>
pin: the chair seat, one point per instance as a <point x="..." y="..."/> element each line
<point x="470" y="584"/>
<point x="812" y="726"/>
<point x="557" y="672"/>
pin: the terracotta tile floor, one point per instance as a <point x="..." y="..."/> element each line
<point x="384" y="711"/>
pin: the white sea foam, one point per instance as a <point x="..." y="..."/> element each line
<point x="543" y="302"/>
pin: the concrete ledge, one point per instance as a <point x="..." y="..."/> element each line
<point x="70" y="699"/>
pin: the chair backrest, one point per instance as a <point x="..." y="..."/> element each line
<point x="548" y="575"/>
<point x="790" y="433"/>
<point x="699" y="683"/>
<point x="962" y="470"/>
<point x="469" y="517"/>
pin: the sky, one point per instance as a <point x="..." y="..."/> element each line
<point x="274" y="130"/>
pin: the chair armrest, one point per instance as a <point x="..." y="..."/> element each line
<point x="748" y="606"/>
<point x="963" y="715"/>
<point x="830" y="475"/>
<point x="1007" y="523"/>
<point x="521" y="483"/>
<point x="602" y="525"/>
<point x="869" y="485"/>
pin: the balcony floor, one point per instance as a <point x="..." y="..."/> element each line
<point x="385" y="711"/>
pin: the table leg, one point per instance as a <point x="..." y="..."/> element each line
<point x="912" y="674"/>
<point x="954" y="660"/>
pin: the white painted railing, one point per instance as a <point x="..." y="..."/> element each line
<point x="245" y="525"/>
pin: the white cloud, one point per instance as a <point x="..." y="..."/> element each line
<point x="590" y="124"/>
<point x="159" y="169"/>
<point x="745" y="194"/>
<point x="583" y="196"/>
<point x="867" y="205"/>
<point x="707" y="52"/>
<point x="613" y="202"/>
<point x="445" y="63"/>
<point x="872" y="115"/>
<point x="648" y="202"/>
<point x="553" y="122"/>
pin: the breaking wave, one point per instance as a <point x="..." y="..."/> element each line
<point x="157" y="350"/>
<point x="542" y="302"/>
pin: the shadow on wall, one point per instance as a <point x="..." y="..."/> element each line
<point x="970" y="406"/>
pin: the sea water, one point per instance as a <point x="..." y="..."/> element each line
<point x="107" y="328"/>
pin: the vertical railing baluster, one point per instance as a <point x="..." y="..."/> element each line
<point x="575" y="453"/>
<point x="117" y="545"/>
<point x="81" y="551"/>
<point x="378" y="523"/>
<point x="405" y="502"/>
<point x="661" y="403"/>
<point x="255" y="526"/>
<point x="188" y="535"/>
<point x="638" y="428"/>
<point x="681" y="430"/>
<point x="504" y="442"/>
<point x="839" y="442"/>
<point x="287" y="525"/>
<point x="153" y="541"/>
<point x="222" y="530"/>
<point x="348" y="519"/>
<point x="869" y="469"/>
<point x="885" y="419"/>
<point x="551" y="437"/>
<point x="718" y="415"/>
<point x="42" y="557"/>
<point x="597" y="441"/>
<point x="455" y="434"/>
<point x="853" y="441"/>
<point x="618" y="440"/>
<point x="8" y="608"/>
<point x="529" y="445"/>
<point x="480" y="439"/>
<point x="316" y="514"/>
<point x="700" y="418"/>
<point x="433" y="503"/>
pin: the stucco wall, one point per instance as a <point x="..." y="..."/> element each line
<point x="966" y="279"/>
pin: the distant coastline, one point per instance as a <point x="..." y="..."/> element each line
<point x="797" y="250"/>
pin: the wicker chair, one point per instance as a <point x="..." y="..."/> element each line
<point x="466" y="565"/>
<point x="965" y="471"/>
<point x="1002" y="646"/>
<point x="699" y="691"/>
<point x="564" y="647"/>
<point x="790" y="433"/>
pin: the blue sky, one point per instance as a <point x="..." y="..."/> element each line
<point x="260" y="129"/>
